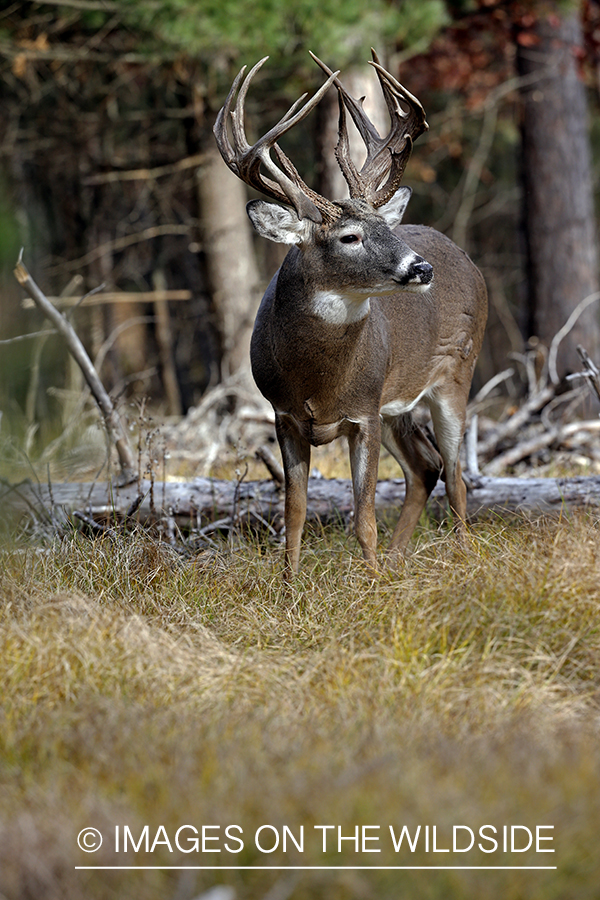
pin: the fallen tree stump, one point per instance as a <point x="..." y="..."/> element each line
<point x="207" y="500"/>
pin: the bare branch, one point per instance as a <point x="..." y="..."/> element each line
<point x="111" y="417"/>
<point x="26" y="337"/>
<point x="101" y="297"/>
<point x="275" y="469"/>
<point x="592" y="372"/>
<point x="554" y="435"/>
<point x="564" y="331"/>
<point x="489" y="386"/>
<point x="99" y="5"/>
<point x="190" y="162"/>
<point x="521" y="451"/>
<point x="516" y="422"/>
<point x="120" y="244"/>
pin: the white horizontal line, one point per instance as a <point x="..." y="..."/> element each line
<point x="310" y="868"/>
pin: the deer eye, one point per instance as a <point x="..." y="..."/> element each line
<point x="349" y="238"/>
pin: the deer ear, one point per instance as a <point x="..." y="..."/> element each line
<point x="393" y="210"/>
<point x="278" y="223"/>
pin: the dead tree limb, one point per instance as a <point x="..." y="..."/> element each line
<point x="512" y="426"/>
<point x="111" y="417"/>
<point x="273" y="465"/>
<point x="206" y="501"/>
<point x="590" y="371"/>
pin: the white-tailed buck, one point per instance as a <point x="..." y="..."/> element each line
<point x="365" y="318"/>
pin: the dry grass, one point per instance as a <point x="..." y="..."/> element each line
<point x="143" y="688"/>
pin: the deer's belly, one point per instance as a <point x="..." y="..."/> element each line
<point x="317" y="433"/>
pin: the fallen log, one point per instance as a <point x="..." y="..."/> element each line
<point x="198" y="503"/>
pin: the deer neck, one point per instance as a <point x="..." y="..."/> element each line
<point x="300" y="294"/>
<point x="316" y="339"/>
<point x="338" y="307"/>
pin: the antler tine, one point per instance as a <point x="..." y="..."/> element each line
<point x="245" y="160"/>
<point x="397" y="146"/>
<point x="365" y="127"/>
<point x="235" y="156"/>
<point x="386" y="156"/>
<point x="392" y="88"/>
<point x="363" y="123"/>
<point x="220" y="126"/>
<point x="238" y="125"/>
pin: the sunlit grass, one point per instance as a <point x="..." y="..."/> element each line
<point x="143" y="687"/>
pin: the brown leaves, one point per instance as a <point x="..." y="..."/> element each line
<point x="20" y="61"/>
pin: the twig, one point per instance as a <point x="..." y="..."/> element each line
<point x="100" y="5"/>
<point x="61" y="53"/>
<point x="461" y="215"/>
<point x="26" y="337"/>
<point x="592" y="372"/>
<point x="94" y="526"/>
<point x="518" y="420"/>
<point x="227" y="523"/>
<point x="111" y="417"/>
<point x="121" y="244"/>
<point x="489" y="386"/>
<point x="569" y="401"/>
<point x="235" y="515"/>
<point x="77" y="302"/>
<point x="563" y="332"/>
<point x="97" y="298"/>
<point x="521" y="451"/>
<point x="275" y="470"/>
<point x="146" y="174"/>
<point x="134" y="506"/>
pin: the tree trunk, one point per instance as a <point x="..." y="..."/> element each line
<point x="559" y="213"/>
<point x="231" y="265"/>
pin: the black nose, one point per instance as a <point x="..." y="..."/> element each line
<point x="423" y="271"/>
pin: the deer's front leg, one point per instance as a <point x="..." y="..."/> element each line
<point x="295" y="453"/>
<point x="364" y="443"/>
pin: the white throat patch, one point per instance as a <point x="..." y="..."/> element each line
<point x="339" y="309"/>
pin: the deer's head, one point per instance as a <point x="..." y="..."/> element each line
<point x="347" y="244"/>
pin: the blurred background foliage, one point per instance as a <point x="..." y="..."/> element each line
<point x="106" y="114"/>
<point x="237" y="30"/>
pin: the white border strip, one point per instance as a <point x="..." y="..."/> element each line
<point x="329" y="868"/>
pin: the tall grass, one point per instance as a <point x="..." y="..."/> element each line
<point x="140" y="687"/>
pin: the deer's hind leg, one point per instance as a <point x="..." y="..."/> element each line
<point x="422" y="466"/>
<point x="449" y="416"/>
<point x="364" y="445"/>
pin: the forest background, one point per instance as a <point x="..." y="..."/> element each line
<point x="111" y="181"/>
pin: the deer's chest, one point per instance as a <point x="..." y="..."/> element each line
<point x="324" y="376"/>
<point x="326" y="399"/>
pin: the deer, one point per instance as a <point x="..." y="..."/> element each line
<point x="365" y="319"/>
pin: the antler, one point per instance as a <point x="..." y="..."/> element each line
<point x="385" y="156"/>
<point x="246" y="160"/>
